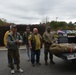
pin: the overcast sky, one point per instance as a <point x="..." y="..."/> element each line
<point x="36" y="11"/>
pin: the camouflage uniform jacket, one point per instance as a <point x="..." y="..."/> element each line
<point x="25" y="37"/>
<point x="48" y="39"/>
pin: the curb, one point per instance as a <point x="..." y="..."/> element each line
<point x="4" y="48"/>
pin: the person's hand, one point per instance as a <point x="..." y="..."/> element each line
<point x="30" y="47"/>
<point x="6" y="46"/>
<point x="17" y="41"/>
<point x="20" y="41"/>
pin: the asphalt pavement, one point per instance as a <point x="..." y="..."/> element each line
<point x="60" y="67"/>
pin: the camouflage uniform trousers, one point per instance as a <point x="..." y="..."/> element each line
<point x="14" y="54"/>
<point x="46" y="52"/>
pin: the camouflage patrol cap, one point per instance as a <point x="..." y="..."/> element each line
<point x="48" y="27"/>
<point x="27" y="27"/>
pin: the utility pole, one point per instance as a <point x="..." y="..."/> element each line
<point x="56" y="19"/>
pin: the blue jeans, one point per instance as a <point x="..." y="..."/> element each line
<point x="28" y="51"/>
<point x="33" y="53"/>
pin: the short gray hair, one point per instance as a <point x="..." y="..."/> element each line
<point x="10" y="26"/>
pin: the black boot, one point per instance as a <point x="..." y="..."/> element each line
<point x="33" y="65"/>
<point x="38" y="63"/>
<point x="52" y="62"/>
<point x="46" y="63"/>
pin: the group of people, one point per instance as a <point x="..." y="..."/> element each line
<point x="33" y="42"/>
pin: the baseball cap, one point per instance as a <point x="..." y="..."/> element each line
<point x="13" y="26"/>
<point x="27" y="27"/>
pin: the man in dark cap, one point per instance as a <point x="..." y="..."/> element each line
<point x="14" y="40"/>
<point x="5" y="42"/>
<point x="48" y="39"/>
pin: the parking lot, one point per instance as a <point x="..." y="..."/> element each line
<point x="60" y="67"/>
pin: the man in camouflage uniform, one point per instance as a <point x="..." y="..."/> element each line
<point x="25" y="41"/>
<point x="14" y="40"/>
<point x="48" y="39"/>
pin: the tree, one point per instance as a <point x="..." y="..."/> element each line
<point x="3" y="22"/>
<point x="71" y="25"/>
